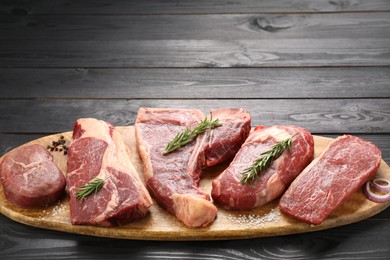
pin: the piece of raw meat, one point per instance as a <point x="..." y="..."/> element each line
<point x="222" y="143"/>
<point x="173" y="179"/>
<point x="98" y="151"/>
<point x="271" y="183"/>
<point x="30" y="177"/>
<point x="344" y="166"/>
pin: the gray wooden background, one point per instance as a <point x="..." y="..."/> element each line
<point x="322" y="65"/>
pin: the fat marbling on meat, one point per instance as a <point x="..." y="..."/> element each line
<point x="227" y="190"/>
<point x="98" y="151"/>
<point x="344" y="166"/>
<point x="30" y="177"/>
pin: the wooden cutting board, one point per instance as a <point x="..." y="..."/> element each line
<point x="160" y="225"/>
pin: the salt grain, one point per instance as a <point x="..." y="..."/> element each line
<point x="254" y="220"/>
<point x="57" y="210"/>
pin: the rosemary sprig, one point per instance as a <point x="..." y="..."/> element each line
<point x="262" y="163"/>
<point x="93" y="186"/>
<point x="185" y="137"/>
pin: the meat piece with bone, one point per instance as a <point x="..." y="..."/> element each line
<point x="173" y="179"/>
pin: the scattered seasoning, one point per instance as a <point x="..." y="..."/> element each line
<point x="253" y="220"/>
<point x="57" y="211"/>
<point x="59" y="145"/>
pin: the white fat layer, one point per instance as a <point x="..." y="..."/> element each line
<point x="144" y="151"/>
<point x="280" y="135"/>
<point x="95" y="128"/>
<point x="277" y="133"/>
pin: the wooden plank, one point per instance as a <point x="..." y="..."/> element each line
<point x="318" y="115"/>
<point x="10" y="141"/>
<point x="210" y="83"/>
<point x="187" y="6"/>
<point x="196" y="53"/>
<point x="371" y="237"/>
<point x="195" y="27"/>
<point x="196" y="41"/>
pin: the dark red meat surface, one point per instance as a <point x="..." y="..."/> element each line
<point x="344" y="166"/>
<point x="270" y="184"/>
<point x="30" y="177"/>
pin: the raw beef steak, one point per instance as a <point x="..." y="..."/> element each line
<point x="173" y="179"/>
<point x="270" y="184"/>
<point x="344" y="166"/>
<point x="98" y="151"/>
<point x="30" y="177"/>
<point x="222" y="143"/>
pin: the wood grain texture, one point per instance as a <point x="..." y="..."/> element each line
<point x="195" y="27"/>
<point x="293" y="38"/>
<point x="213" y="83"/>
<point x="196" y="53"/>
<point x="317" y="115"/>
<point x="10" y="141"/>
<point x="327" y="244"/>
<point x="160" y="225"/>
<point x="196" y="41"/>
<point x="187" y="6"/>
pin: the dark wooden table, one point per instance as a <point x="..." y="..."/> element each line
<point x="322" y="65"/>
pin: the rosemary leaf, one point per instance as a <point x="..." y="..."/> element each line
<point x="261" y="164"/>
<point x="188" y="135"/>
<point x="93" y="186"/>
